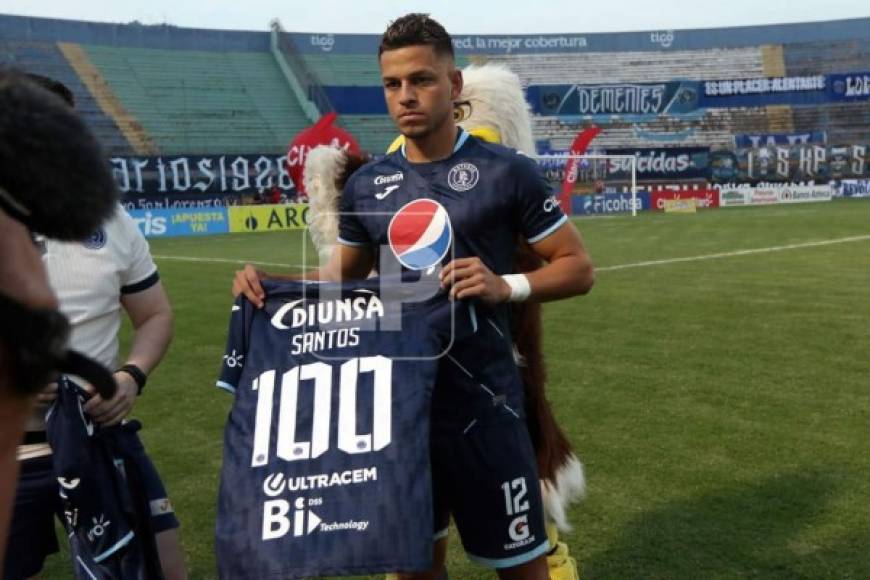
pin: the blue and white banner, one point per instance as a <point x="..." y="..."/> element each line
<point x="165" y="223"/>
<point x="802" y="163"/>
<point x="805" y="90"/>
<point x="773" y="139"/>
<point x="600" y="204"/>
<point x="662" y="163"/>
<point x="850" y="87"/>
<point x="647" y="40"/>
<point x="169" y="181"/>
<point x="854" y="188"/>
<point x="623" y="99"/>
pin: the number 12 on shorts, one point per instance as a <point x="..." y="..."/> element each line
<point x="514" y="496"/>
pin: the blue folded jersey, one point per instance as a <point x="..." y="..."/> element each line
<point x="104" y="506"/>
<point x="326" y="448"/>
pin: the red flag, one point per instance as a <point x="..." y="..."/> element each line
<point x="581" y="143"/>
<point x="321" y="133"/>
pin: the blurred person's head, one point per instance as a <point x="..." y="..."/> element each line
<point x="54" y="181"/>
<point x="53" y="175"/>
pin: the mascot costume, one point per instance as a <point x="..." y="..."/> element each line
<point x="492" y="107"/>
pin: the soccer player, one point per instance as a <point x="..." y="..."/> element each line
<point x="94" y="280"/>
<point x="484" y="472"/>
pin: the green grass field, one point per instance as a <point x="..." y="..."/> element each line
<point x="721" y="405"/>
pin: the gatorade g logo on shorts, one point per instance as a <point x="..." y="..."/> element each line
<point x="420" y="234"/>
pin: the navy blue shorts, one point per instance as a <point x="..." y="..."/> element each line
<point x="486" y="477"/>
<point x="31" y="533"/>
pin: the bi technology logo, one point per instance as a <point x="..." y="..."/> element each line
<point x="276" y="520"/>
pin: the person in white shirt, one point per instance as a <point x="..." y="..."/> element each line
<point x="94" y="280"/>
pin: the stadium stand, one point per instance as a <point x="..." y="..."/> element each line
<point x="164" y="89"/>
<point x="47" y="59"/>
<point x="631" y="67"/>
<point x="201" y="101"/>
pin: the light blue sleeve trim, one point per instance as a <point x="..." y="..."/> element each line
<point x="473" y="314"/>
<point x="513" y="561"/>
<point x="226" y="387"/>
<point x="349" y="243"/>
<point x="120" y="544"/>
<point x="440" y="535"/>
<point x="463" y="137"/>
<point x="548" y="231"/>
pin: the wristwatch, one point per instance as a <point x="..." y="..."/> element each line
<point x="138" y="375"/>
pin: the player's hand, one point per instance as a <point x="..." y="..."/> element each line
<point x="112" y="411"/>
<point x="470" y="278"/>
<point x="46" y="396"/>
<point x="247" y="282"/>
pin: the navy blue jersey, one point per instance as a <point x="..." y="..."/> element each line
<point x="326" y="449"/>
<point x="105" y="511"/>
<point x="478" y="202"/>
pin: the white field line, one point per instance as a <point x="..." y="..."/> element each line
<point x="735" y="253"/>
<point x="663" y="262"/>
<point x="225" y="261"/>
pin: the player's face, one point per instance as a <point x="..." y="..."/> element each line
<point x="419" y="87"/>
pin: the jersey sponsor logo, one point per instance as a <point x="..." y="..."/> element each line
<point x="96" y="241"/>
<point x="99" y="528"/>
<point x="234" y="359"/>
<point x="463" y="177"/>
<point x="517" y="505"/>
<point x="551" y="203"/>
<point x="298" y="313"/>
<point x="387" y="191"/>
<point x="387" y="179"/>
<point x="69" y="484"/>
<point x="277" y="523"/>
<point x="276" y="484"/>
<point x="420" y="234"/>
<point x="518" y="530"/>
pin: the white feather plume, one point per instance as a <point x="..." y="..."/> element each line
<point x="322" y="168"/>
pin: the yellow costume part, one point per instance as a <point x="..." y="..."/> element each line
<point x="487" y="134"/>
<point x="560" y="564"/>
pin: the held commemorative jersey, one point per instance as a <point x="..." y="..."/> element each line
<point x="418" y="216"/>
<point x="326" y="448"/>
<point x="105" y="511"/>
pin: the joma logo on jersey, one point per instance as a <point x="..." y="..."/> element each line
<point x="297" y="313"/>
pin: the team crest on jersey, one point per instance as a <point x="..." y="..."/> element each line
<point x="463" y="177"/>
<point x="420" y="234"/>
<point x="96" y="240"/>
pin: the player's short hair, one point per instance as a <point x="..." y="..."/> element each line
<point x="416" y="29"/>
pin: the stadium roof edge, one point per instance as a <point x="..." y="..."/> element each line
<point x="13" y="27"/>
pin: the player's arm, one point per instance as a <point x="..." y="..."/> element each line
<point x="568" y="272"/>
<point x="345" y="263"/>
<point x="151" y="315"/>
